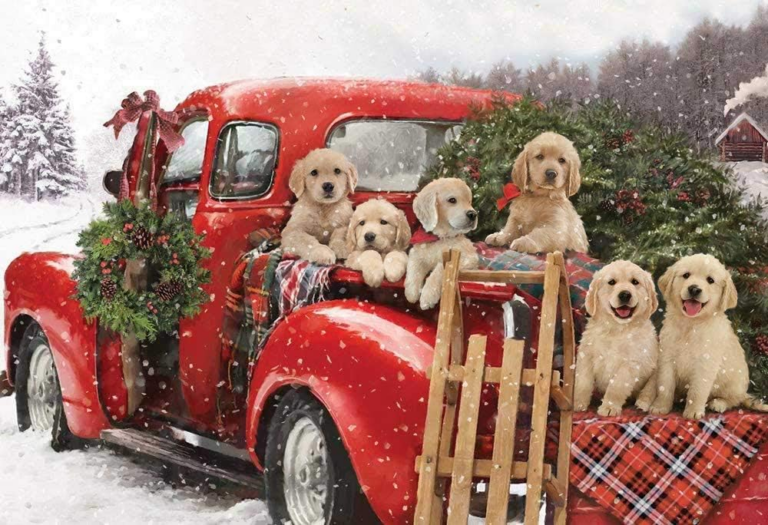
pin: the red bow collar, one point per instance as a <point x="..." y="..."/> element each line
<point x="511" y="192"/>
<point x="421" y="236"/>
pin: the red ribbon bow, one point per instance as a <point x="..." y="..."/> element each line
<point x="132" y="108"/>
<point x="421" y="236"/>
<point x="511" y="192"/>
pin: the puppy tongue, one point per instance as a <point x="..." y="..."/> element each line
<point x="624" y="311"/>
<point x="691" y="307"/>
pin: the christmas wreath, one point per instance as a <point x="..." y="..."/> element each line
<point x="168" y="247"/>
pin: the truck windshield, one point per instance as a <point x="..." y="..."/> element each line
<point x="392" y="155"/>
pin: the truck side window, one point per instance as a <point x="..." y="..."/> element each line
<point x="186" y="163"/>
<point x="246" y="156"/>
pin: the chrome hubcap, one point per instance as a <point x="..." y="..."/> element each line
<point x="305" y="471"/>
<point x="42" y="389"/>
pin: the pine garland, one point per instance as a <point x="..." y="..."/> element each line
<point x="645" y="196"/>
<point x="174" y="254"/>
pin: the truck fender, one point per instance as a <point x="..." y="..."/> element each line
<point x="39" y="287"/>
<point x="366" y="363"/>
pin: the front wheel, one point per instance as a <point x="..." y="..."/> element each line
<point x="39" y="405"/>
<point x="309" y="477"/>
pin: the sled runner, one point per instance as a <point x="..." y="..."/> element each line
<point x="440" y="460"/>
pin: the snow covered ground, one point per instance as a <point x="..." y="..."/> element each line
<point x="38" y="485"/>
<point x="753" y="176"/>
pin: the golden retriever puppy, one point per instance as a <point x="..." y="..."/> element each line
<point x="619" y="348"/>
<point x="377" y="238"/>
<point x="444" y="208"/>
<point x="318" y="225"/>
<point x="542" y="219"/>
<point x="701" y="358"/>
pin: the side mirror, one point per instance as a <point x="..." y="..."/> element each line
<point x="111" y="182"/>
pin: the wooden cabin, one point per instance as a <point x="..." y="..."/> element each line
<point x="742" y="140"/>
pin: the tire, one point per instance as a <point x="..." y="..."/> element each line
<point x="300" y="422"/>
<point x="39" y="405"/>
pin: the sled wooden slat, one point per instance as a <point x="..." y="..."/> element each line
<point x="504" y="438"/>
<point x="483" y="468"/>
<point x="448" y="404"/>
<point x="545" y="357"/>
<point x="569" y="372"/>
<point x="464" y="456"/>
<point x="492" y="375"/>
<point x="425" y="495"/>
<point x="505" y="277"/>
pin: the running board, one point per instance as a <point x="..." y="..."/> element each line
<point x="184" y="455"/>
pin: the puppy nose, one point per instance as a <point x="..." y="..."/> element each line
<point x="625" y="296"/>
<point x="551" y="174"/>
<point x="369" y="237"/>
<point x="328" y="187"/>
<point x="694" y="290"/>
<point x="472" y="215"/>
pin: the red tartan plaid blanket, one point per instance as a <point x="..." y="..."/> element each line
<point x="662" y="470"/>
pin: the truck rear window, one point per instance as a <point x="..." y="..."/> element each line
<point x="392" y="155"/>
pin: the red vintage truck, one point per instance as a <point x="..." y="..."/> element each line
<point x="330" y="419"/>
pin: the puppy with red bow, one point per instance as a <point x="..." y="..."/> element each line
<point x="541" y="218"/>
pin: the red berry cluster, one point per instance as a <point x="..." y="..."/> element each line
<point x="127" y="227"/>
<point x="683" y="196"/>
<point x="629" y="205"/>
<point x="175" y="258"/>
<point x="628" y="136"/>
<point x="473" y="168"/>
<point x="761" y="344"/>
<point x="163" y="238"/>
<point x="151" y="307"/>
<point x="672" y="181"/>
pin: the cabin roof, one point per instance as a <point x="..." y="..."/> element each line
<point x="738" y="120"/>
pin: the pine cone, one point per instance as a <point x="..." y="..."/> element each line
<point x="607" y="206"/>
<point x="108" y="289"/>
<point x="167" y="290"/>
<point x="141" y="238"/>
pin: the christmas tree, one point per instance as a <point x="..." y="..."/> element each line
<point x="646" y="196"/>
<point x="38" y="150"/>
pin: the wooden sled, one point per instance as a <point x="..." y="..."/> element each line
<point x="441" y="460"/>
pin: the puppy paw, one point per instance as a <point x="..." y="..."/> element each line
<point x="609" y="409"/>
<point x="643" y="404"/>
<point x="373" y="275"/>
<point x="497" y="239"/>
<point x="322" y="254"/>
<point x="430" y="296"/>
<point x="524" y="245"/>
<point x="692" y="412"/>
<point x="395" y="264"/>
<point x="580" y="407"/>
<point x="659" y="408"/>
<point x="412" y="292"/>
<point x="339" y="249"/>
<point x="718" y="405"/>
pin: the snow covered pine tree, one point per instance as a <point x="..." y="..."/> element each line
<point x="37" y="146"/>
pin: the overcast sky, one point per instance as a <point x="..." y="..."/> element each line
<point x="105" y="49"/>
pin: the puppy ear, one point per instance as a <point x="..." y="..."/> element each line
<point x="574" y="173"/>
<point x="730" y="297"/>
<point x="651" y="288"/>
<point x="352" y="177"/>
<point x="425" y="207"/>
<point x="520" y="170"/>
<point x="296" y="180"/>
<point x="403" y="235"/>
<point x="590" y="303"/>
<point x="351" y="237"/>
<point x="666" y="280"/>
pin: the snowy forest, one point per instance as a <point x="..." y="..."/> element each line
<point x="682" y="88"/>
<point x="38" y="159"/>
